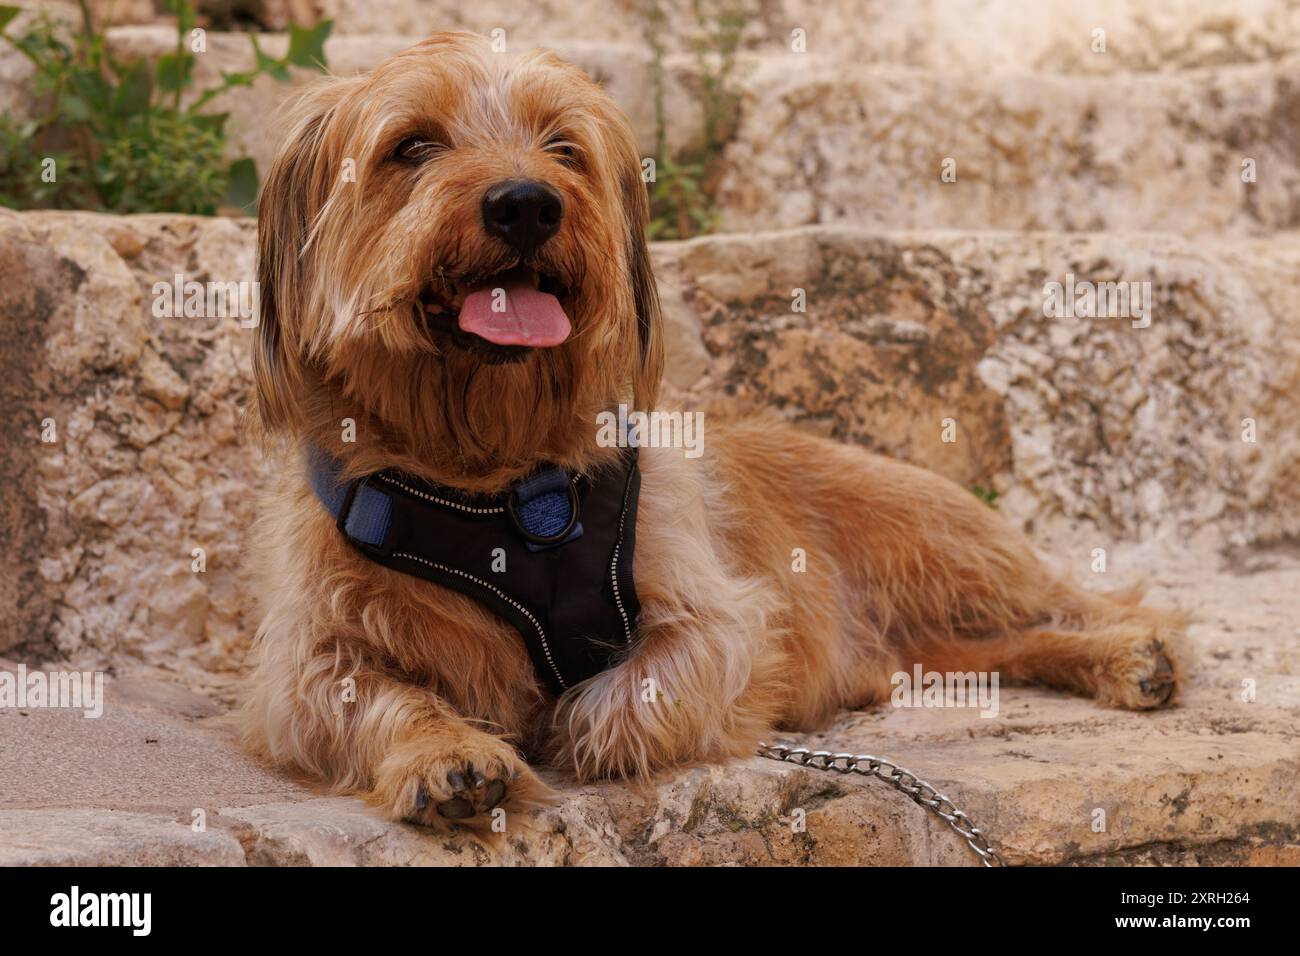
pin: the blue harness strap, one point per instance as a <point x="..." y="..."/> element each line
<point x="369" y="511"/>
<point x="564" y="584"/>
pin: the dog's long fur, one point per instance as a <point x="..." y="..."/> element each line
<point x="411" y="695"/>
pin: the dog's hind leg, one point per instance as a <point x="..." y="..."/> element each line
<point x="930" y="575"/>
<point x="1109" y="647"/>
<point x="953" y="585"/>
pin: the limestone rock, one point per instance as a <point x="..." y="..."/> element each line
<point x="145" y="463"/>
<point x="1134" y="433"/>
<point x="957" y="36"/>
<point x="1091" y="420"/>
<point x="1052" y="779"/>
<point x="1119" y="152"/>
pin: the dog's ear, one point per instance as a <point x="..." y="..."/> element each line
<point x="645" y="293"/>
<point x="294" y="191"/>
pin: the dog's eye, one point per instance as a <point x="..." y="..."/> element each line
<point x="416" y="149"/>
<point x="564" y="151"/>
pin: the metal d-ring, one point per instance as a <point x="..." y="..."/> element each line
<point x="512" y="505"/>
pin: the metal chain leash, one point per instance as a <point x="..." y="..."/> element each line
<point x="900" y="778"/>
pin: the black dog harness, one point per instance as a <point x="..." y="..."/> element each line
<point x="553" y="557"/>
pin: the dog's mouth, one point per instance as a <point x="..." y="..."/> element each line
<point x="506" y="313"/>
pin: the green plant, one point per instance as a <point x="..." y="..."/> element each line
<point x="681" y="195"/>
<point x="115" y="135"/>
<point x="986" y="495"/>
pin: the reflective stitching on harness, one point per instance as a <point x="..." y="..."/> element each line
<point x="389" y="480"/>
<point x="440" y="501"/>
<point x="546" y="648"/>
<point x="613" y="565"/>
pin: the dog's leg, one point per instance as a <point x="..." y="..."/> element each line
<point x="397" y="745"/>
<point x="905" y="567"/>
<point x="1109" y="647"/>
<point x="704" y="679"/>
<point x="436" y="767"/>
<point x="943" y="580"/>
<point x="690" y="691"/>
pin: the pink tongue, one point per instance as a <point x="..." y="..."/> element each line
<point x="526" y="316"/>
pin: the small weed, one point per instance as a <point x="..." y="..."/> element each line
<point x="114" y="136"/>
<point x="681" y="195"/>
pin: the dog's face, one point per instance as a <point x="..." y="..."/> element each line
<point x="452" y="250"/>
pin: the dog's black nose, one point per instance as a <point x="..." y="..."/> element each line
<point x="523" y="213"/>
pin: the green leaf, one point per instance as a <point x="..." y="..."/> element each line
<point x="175" y="71"/>
<point x="242" y="190"/>
<point x="134" y="90"/>
<point x="211" y="122"/>
<point x="184" y="12"/>
<point x="307" y="45"/>
<point x="266" y="64"/>
<point x="91" y="87"/>
<point x="37" y="49"/>
<point x="74" y="109"/>
<point x="7" y="14"/>
<point x="237" y="79"/>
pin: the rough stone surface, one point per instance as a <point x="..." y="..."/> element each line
<point x="1136" y="431"/>
<point x="956" y="36"/>
<point x="1132" y="433"/>
<point x="103" y="837"/>
<point x="839" y="135"/>
<point x="1210" y="782"/>
<point x="818" y="140"/>
<point x="146" y="464"/>
<point x="1121" y="153"/>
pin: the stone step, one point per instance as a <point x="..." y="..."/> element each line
<point x="1134" y="433"/>
<point x="1115" y="153"/>
<point x="949" y="36"/>
<point x="1051" y="779"/>
<point x="820" y="142"/>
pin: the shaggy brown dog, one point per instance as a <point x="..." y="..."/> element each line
<point x="372" y="234"/>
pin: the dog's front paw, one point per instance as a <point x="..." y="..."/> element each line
<point x="471" y="793"/>
<point x="1141" y="675"/>
<point x="430" y="782"/>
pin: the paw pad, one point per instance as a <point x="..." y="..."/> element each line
<point x="472" y="793"/>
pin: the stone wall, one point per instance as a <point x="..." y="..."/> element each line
<point x="964" y="36"/>
<point x="1122" y="153"/>
<point x="147" y="462"/>
<point x="1133" y="433"/>
<point x="1045" y="134"/>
